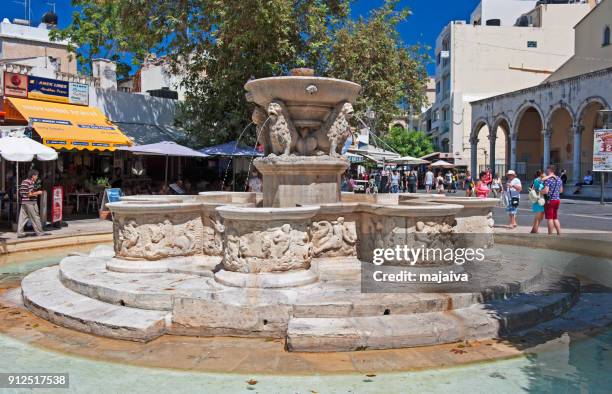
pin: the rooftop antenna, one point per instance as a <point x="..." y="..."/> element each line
<point x="26" y="8"/>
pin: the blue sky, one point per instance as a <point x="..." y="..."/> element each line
<point x="427" y="20"/>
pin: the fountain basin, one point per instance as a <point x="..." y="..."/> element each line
<point x="309" y="100"/>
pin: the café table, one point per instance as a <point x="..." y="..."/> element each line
<point x="78" y="196"/>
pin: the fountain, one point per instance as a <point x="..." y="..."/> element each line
<point x="293" y="263"/>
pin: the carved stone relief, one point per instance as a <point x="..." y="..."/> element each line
<point x="169" y="236"/>
<point x="334" y="238"/>
<point x="278" y="248"/>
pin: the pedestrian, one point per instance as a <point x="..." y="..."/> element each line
<point x="563" y="177"/>
<point x="440" y="183"/>
<point x="513" y="189"/>
<point x="488" y="177"/>
<point x="482" y="190"/>
<point x="413" y="182"/>
<point x="394" y="180"/>
<point x="429" y="180"/>
<point x="536" y="199"/>
<point x="454" y="180"/>
<point x="254" y="184"/>
<point x="553" y="188"/>
<point x="448" y="181"/>
<point x="468" y="184"/>
<point x="29" y="205"/>
<point x="496" y="186"/>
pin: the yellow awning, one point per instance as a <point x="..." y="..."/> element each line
<point x="66" y="126"/>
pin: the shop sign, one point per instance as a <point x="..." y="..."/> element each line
<point x="57" y="91"/>
<point x="602" y="151"/>
<point x="78" y="93"/>
<point x="15" y="85"/>
<point x="58" y="198"/>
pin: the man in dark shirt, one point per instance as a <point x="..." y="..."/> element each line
<point x="29" y="207"/>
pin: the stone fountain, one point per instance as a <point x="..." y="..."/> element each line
<point x="291" y="263"/>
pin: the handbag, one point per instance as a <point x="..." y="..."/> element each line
<point x="533" y="196"/>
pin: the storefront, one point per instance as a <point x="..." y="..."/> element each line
<point x="85" y="140"/>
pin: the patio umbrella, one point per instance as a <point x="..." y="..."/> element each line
<point x="407" y="160"/>
<point x="230" y="149"/>
<point x="164" y="148"/>
<point x="19" y="148"/>
<point x="442" y="164"/>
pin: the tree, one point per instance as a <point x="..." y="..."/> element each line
<point x="371" y="53"/>
<point x="218" y="45"/>
<point x="409" y="143"/>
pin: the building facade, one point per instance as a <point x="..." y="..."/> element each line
<point x="31" y="45"/>
<point x="553" y="122"/>
<point x="490" y="56"/>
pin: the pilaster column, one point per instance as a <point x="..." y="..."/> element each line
<point x="547" y="134"/>
<point x="492" y="138"/>
<point x="513" y="140"/>
<point x="577" y="152"/>
<point x="474" y="156"/>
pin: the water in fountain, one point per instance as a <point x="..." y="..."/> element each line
<point x="231" y="160"/>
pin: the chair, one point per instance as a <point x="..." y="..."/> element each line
<point x="92" y="202"/>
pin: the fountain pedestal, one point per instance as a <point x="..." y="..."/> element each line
<point x="289" y="181"/>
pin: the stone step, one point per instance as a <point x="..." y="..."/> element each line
<point x="88" y="276"/>
<point x="46" y="297"/>
<point x="490" y="320"/>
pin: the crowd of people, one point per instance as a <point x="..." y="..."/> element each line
<point x="544" y="192"/>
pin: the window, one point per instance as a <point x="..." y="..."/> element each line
<point x="606" y="36"/>
<point x="532" y="44"/>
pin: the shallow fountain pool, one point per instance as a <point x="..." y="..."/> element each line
<point x="563" y="365"/>
<point x="571" y="363"/>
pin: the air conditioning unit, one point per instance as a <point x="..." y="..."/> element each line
<point x="445" y="54"/>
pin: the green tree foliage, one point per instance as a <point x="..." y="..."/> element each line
<point x="217" y="45"/>
<point x="409" y="143"/>
<point x="371" y="53"/>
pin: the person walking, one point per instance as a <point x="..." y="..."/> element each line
<point x="440" y="183"/>
<point x="413" y="182"/>
<point x="553" y="188"/>
<point x="394" y="180"/>
<point x="468" y="184"/>
<point x="496" y="186"/>
<point x="513" y="188"/>
<point x="29" y="205"/>
<point x="429" y="180"/>
<point x="535" y="196"/>
<point x="482" y="190"/>
<point x="448" y="181"/>
<point x="488" y="179"/>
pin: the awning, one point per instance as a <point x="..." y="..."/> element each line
<point x="143" y="134"/>
<point x="65" y="126"/>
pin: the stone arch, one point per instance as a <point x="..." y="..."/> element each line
<point x="477" y="126"/>
<point x="587" y="121"/>
<point x="560" y="129"/>
<point x="558" y="106"/>
<point x="524" y="107"/>
<point x="502" y="126"/>
<point x="588" y="101"/>
<point x="528" y="126"/>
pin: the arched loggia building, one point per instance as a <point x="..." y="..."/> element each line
<point x="551" y="123"/>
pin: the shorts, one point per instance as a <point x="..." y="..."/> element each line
<point x="551" y="209"/>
